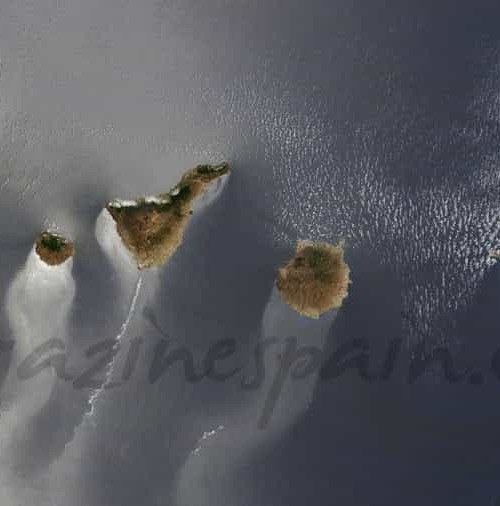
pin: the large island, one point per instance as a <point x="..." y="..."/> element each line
<point x="315" y="280"/>
<point x="151" y="228"/>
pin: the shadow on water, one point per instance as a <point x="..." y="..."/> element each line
<point x="358" y="435"/>
<point x="214" y="287"/>
<point x="16" y="244"/>
<point x="478" y="328"/>
<point x="92" y="318"/>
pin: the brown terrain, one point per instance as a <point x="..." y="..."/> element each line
<point x="53" y="248"/>
<point x="315" y="280"/>
<point x="152" y="229"/>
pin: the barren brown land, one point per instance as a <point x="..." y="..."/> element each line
<point x="315" y="280"/>
<point x="152" y="228"/>
<point x="53" y="248"/>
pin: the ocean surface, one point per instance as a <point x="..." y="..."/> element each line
<point x="376" y="123"/>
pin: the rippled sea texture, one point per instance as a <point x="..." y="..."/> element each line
<point x="372" y="122"/>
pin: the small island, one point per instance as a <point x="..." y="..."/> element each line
<point x="152" y="228"/>
<point x="53" y="248"/>
<point x="315" y="280"/>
